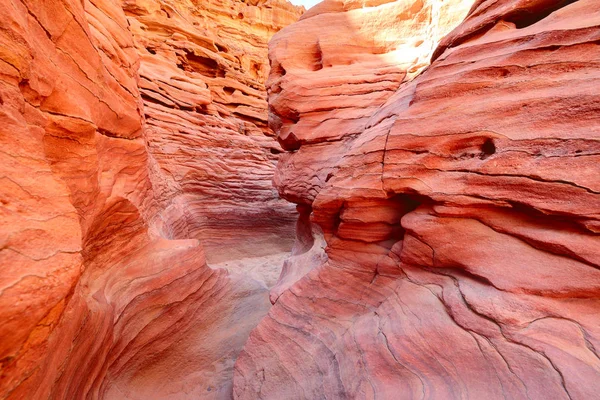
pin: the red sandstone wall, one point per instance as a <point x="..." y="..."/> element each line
<point x="202" y="71"/>
<point x="96" y="298"/>
<point x="459" y="203"/>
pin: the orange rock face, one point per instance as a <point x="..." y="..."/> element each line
<point x="445" y="156"/>
<point x="128" y="137"/>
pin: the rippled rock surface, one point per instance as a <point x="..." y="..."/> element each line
<point x="132" y="131"/>
<point x="445" y="155"/>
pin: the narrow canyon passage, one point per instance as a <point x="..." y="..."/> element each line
<point x="371" y="199"/>
<point x="202" y="73"/>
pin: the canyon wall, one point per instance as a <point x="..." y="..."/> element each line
<point x="444" y="157"/>
<point x="203" y="68"/>
<point x="131" y="132"/>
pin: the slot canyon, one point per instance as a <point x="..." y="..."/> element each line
<point x="249" y="199"/>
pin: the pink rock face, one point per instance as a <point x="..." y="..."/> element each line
<point x="105" y="291"/>
<point x="459" y="203"/>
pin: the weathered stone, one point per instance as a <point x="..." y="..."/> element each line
<point x="111" y="176"/>
<point x="459" y="202"/>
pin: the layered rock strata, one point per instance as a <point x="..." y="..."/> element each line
<point x="105" y="291"/>
<point x="459" y="203"/>
<point x="203" y="67"/>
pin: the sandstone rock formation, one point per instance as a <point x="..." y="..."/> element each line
<point x="119" y="148"/>
<point x="202" y="71"/>
<point x="458" y="202"/>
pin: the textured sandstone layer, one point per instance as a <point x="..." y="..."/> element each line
<point x="459" y="203"/>
<point x="96" y="298"/>
<point x="202" y="72"/>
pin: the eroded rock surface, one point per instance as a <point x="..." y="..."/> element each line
<point x="105" y="291"/>
<point x="459" y="203"/>
<point x="203" y="68"/>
